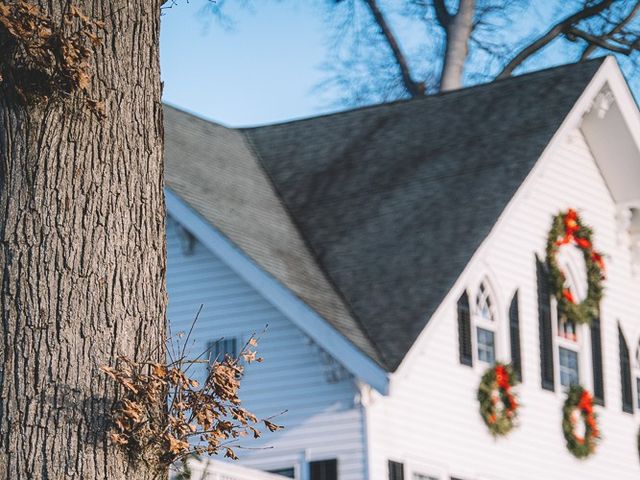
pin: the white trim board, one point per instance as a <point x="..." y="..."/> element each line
<point x="305" y="318"/>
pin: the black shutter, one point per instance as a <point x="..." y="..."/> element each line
<point x="324" y="470"/>
<point x="596" y="358"/>
<point x="464" y="330"/>
<point x="546" y="331"/>
<point x="514" y="335"/>
<point x="396" y="470"/>
<point x="625" y="374"/>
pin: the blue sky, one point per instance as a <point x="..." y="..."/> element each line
<point x="267" y="67"/>
<point x="263" y="70"/>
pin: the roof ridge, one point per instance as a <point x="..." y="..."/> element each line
<point x="403" y="101"/>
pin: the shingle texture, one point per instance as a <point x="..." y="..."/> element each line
<point x="371" y="215"/>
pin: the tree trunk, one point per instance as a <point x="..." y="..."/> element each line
<point x="82" y="253"/>
<point x="458" y="32"/>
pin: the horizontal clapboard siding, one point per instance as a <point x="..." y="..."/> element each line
<point x="322" y="421"/>
<point x="431" y="421"/>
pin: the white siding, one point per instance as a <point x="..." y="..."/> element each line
<point x="323" y="420"/>
<point x="431" y="416"/>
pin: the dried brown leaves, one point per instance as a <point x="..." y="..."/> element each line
<point x="167" y="413"/>
<point x="42" y="58"/>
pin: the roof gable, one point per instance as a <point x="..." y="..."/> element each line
<point x="386" y="204"/>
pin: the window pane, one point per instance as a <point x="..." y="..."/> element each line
<point x="484" y="307"/>
<point x="396" y="470"/>
<point x="486" y="346"/>
<point x="220" y="348"/>
<point x="567" y="330"/>
<point x="324" y="470"/>
<point x="568" y="367"/>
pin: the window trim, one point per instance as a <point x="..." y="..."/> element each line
<point x="477" y="321"/>
<point x="580" y="346"/>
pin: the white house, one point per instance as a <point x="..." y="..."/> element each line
<point x="395" y="252"/>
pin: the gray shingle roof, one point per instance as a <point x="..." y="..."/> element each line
<point x="213" y="169"/>
<point x="371" y="215"/>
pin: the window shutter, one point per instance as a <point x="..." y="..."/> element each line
<point x="324" y="470"/>
<point x="464" y="330"/>
<point x="514" y="335"/>
<point x="546" y="332"/>
<point x="596" y="358"/>
<point x="625" y="374"/>
<point x="396" y="470"/>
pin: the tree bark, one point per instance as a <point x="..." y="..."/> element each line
<point x="458" y="30"/>
<point x="82" y="253"/>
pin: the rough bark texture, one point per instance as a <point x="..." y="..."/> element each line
<point x="458" y="29"/>
<point x="82" y="253"/>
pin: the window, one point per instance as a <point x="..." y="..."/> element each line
<point x="567" y="330"/>
<point x="568" y="348"/>
<point x="485" y="321"/>
<point x="218" y="349"/>
<point x="396" y="470"/>
<point x="569" y="337"/>
<point x="486" y="346"/>
<point x="568" y="367"/>
<point x="484" y="305"/>
<point x="285" y="472"/>
<point x="324" y="470"/>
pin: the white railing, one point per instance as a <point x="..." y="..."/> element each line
<point x="210" y="469"/>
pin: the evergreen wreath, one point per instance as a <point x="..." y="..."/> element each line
<point x="498" y="403"/>
<point x="567" y="228"/>
<point x="579" y="407"/>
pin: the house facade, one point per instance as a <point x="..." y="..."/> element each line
<point x="394" y="253"/>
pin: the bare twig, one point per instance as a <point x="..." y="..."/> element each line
<point x="616" y="29"/>
<point x="414" y="89"/>
<point x="551" y="34"/>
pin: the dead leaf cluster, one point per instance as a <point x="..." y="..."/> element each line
<point x="164" y="411"/>
<point x="42" y="58"/>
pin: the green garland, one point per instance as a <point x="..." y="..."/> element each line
<point x="568" y="228"/>
<point x="498" y="404"/>
<point x="579" y="406"/>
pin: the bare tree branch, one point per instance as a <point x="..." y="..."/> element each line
<point x="598" y="41"/>
<point x="551" y="34"/>
<point x="415" y="89"/>
<point x="616" y="29"/>
<point x="442" y="13"/>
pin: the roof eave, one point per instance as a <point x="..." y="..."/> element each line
<point x="311" y="323"/>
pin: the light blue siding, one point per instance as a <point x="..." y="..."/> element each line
<point x="323" y="418"/>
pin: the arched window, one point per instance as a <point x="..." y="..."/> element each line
<point x="568" y="339"/>
<point x="484" y="318"/>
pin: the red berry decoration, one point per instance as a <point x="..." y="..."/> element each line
<point x="498" y="402"/>
<point x="578" y="408"/>
<point x="568" y="229"/>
